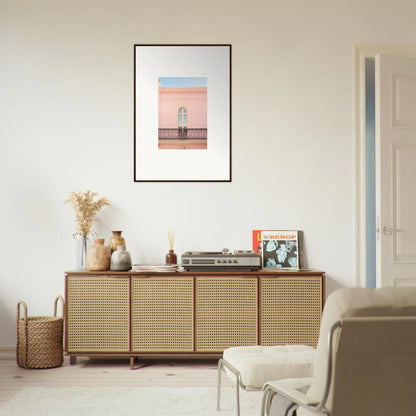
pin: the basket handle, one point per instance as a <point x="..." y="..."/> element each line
<point x="21" y="303"/>
<point x="59" y="298"/>
<point x="22" y="337"/>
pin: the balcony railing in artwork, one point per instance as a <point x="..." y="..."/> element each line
<point x="183" y="134"/>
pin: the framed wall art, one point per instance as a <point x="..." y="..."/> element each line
<point x="182" y="113"/>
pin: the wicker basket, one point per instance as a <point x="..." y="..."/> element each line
<point x="40" y="339"/>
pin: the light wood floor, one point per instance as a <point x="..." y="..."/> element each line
<point x="109" y="372"/>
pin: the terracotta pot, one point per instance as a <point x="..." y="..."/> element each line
<point x="98" y="256"/>
<point x="116" y="240"/>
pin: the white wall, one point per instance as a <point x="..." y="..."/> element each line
<point x="66" y="88"/>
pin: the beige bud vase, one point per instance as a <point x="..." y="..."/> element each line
<point x="98" y="256"/>
<point x="120" y="259"/>
<point x="116" y="240"/>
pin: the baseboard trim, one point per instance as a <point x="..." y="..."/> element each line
<point x="7" y="351"/>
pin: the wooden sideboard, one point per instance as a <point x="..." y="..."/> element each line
<point x="196" y="314"/>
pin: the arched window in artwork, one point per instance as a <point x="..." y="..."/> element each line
<point x="182" y="118"/>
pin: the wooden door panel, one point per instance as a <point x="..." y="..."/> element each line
<point x="396" y="169"/>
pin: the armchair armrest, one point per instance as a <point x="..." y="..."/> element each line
<point x="289" y="388"/>
<point x="290" y="392"/>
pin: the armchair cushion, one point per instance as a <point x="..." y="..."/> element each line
<point x="258" y="364"/>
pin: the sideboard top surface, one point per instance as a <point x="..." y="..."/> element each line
<point x="260" y="272"/>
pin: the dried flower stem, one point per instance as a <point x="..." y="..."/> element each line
<point x="85" y="210"/>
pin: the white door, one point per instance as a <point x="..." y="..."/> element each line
<point x="396" y="170"/>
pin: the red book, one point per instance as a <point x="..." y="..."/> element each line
<point x="257" y="241"/>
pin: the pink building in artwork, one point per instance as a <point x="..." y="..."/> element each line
<point x="182" y="117"/>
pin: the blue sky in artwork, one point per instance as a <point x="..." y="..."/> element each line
<point x="183" y="81"/>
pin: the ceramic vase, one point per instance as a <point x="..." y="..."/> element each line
<point x="116" y="240"/>
<point x="98" y="256"/>
<point x="120" y="259"/>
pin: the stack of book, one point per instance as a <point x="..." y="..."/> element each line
<point x="155" y="268"/>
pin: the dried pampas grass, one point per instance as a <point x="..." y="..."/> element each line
<point x="85" y="210"/>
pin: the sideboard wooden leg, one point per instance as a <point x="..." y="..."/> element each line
<point x="72" y="360"/>
<point x="132" y="363"/>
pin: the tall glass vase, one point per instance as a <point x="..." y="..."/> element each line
<point x="82" y="247"/>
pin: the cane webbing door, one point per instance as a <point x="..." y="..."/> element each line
<point x="291" y="309"/>
<point x="97" y="314"/>
<point x="162" y="314"/>
<point x="226" y="312"/>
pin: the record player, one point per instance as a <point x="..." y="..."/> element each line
<point x="221" y="260"/>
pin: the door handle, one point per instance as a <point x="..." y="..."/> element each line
<point x="389" y="231"/>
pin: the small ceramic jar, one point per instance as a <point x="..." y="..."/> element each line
<point x="120" y="259"/>
<point x="116" y="240"/>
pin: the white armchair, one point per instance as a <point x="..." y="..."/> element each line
<point x="365" y="364"/>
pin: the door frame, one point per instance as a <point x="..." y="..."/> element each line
<point x="360" y="52"/>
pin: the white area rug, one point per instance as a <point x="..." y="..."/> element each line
<point x="126" y="401"/>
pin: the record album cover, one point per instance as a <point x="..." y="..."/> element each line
<point x="280" y="249"/>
